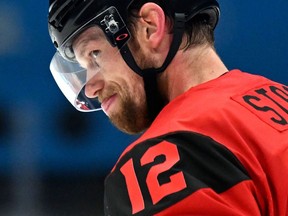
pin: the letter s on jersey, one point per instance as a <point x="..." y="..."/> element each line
<point x="269" y="103"/>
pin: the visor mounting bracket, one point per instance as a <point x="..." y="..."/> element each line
<point x="111" y="25"/>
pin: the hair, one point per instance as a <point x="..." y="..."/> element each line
<point x="198" y="31"/>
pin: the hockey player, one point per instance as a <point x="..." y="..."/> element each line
<point x="214" y="142"/>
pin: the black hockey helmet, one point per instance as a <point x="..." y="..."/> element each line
<point x="68" y="18"/>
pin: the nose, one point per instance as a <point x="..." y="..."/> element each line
<point x="94" y="85"/>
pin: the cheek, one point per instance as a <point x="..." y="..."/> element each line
<point x="138" y="90"/>
<point x="132" y="87"/>
<point x="129" y="83"/>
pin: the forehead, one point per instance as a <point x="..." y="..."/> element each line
<point x="92" y="33"/>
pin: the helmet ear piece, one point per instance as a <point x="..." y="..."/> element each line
<point x="211" y="16"/>
<point x="209" y="10"/>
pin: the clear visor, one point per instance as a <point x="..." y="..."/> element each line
<point x="107" y="36"/>
<point x="71" y="78"/>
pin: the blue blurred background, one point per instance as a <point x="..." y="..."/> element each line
<point x="53" y="159"/>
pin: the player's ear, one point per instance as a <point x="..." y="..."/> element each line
<point x="152" y="19"/>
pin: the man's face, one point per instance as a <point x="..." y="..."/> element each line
<point x="118" y="88"/>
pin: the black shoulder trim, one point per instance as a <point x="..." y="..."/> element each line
<point x="196" y="160"/>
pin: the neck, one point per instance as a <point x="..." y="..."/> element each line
<point x="188" y="69"/>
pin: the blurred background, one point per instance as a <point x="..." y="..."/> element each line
<point x="53" y="159"/>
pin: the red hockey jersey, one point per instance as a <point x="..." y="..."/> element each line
<point x="221" y="148"/>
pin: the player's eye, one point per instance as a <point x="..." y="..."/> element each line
<point x="95" y="53"/>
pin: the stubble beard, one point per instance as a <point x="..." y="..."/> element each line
<point x="131" y="118"/>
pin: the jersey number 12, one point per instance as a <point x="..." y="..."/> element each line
<point x="157" y="192"/>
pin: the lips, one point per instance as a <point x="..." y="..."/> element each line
<point x="107" y="102"/>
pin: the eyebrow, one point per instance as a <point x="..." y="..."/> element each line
<point x="84" y="43"/>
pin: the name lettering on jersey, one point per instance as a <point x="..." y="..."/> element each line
<point x="269" y="103"/>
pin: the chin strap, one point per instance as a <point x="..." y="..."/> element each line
<point x="155" y="102"/>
